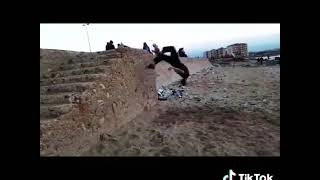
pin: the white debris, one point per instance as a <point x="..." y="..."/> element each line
<point x="100" y="102"/>
<point x="102" y="86"/>
<point x="101" y="121"/>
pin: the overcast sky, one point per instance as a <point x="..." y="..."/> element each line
<point x="195" y="38"/>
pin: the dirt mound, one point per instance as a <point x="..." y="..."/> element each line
<point x="222" y="112"/>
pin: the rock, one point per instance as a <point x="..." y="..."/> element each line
<point x="94" y="90"/>
<point x="100" y="102"/>
<point x="108" y="95"/>
<point x="83" y="126"/>
<point x="252" y="103"/>
<point x="104" y="137"/>
<point x="102" y="86"/>
<point x="197" y="98"/>
<point x="107" y="137"/>
<point x="264" y="100"/>
<point x="114" y="106"/>
<point x="101" y="121"/>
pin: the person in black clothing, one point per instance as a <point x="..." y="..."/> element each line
<point x="174" y="61"/>
<point x="261" y="60"/>
<point x="146" y="47"/>
<point x="107" y="46"/>
<point x="110" y="45"/>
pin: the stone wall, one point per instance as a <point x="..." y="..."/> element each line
<point x="127" y="89"/>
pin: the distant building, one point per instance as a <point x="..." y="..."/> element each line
<point x="206" y="54"/>
<point x="238" y="50"/>
<point x="235" y="50"/>
<point x="220" y="52"/>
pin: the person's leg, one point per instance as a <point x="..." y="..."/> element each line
<point x="183" y="71"/>
<point x="157" y="59"/>
<point x="170" y="49"/>
<point x="161" y="57"/>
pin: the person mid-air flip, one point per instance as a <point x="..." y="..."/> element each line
<point x="174" y="61"/>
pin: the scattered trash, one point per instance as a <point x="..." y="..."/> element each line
<point x="165" y="93"/>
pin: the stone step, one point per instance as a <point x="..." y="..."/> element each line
<point x="93" y="63"/>
<point x="72" y="79"/>
<point x="79" y="71"/>
<point x="54" y="111"/>
<point x="100" y="55"/>
<point x="60" y="98"/>
<point x="71" y="87"/>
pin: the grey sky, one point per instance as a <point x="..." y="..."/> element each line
<point x="194" y="38"/>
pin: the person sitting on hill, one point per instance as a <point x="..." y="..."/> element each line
<point x="110" y="45"/>
<point x="156" y="49"/>
<point x="107" y="46"/>
<point x="146" y="47"/>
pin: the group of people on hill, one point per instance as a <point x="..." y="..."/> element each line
<point x="172" y="59"/>
<point x="111" y="46"/>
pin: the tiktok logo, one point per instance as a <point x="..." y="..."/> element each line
<point x="247" y="176"/>
<point x="230" y="176"/>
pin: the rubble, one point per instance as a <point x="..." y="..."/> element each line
<point x="165" y="93"/>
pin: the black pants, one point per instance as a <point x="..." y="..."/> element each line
<point x="173" y="60"/>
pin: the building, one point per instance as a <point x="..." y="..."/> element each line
<point x="234" y="50"/>
<point x="230" y="51"/>
<point x="238" y="50"/>
<point x="212" y="54"/>
<point x="206" y="54"/>
<point x="220" y="52"/>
